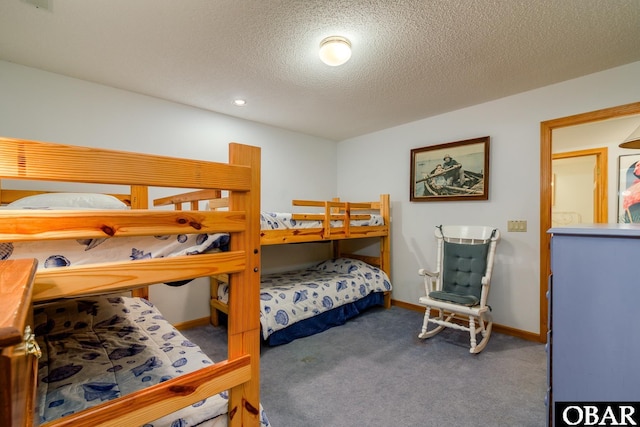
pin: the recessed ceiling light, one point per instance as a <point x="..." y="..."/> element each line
<point x="239" y="102"/>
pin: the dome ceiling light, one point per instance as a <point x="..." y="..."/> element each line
<point x="335" y="50"/>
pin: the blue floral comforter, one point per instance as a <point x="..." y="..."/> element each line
<point x="286" y="298"/>
<point x="99" y="348"/>
<point x="63" y="253"/>
<point x="284" y="220"/>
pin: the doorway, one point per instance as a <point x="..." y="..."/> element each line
<point x="546" y="136"/>
<point x="579" y="187"/>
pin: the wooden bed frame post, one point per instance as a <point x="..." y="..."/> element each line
<point x="385" y="244"/>
<point x="385" y="241"/>
<point x="244" y="293"/>
<point x="140" y="200"/>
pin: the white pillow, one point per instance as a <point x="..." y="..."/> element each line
<point x="68" y="201"/>
<point x="343" y="266"/>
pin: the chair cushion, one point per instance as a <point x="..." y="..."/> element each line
<point x="462" y="270"/>
<point x="468" y="300"/>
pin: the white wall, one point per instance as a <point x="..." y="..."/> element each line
<point x="573" y="189"/>
<point x="44" y="106"/>
<point x="48" y="107"/>
<point x="379" y="163"/>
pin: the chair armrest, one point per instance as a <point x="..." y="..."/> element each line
<point x="430" y="280"/>
<point x="423" y="272"/>
<point x="485" y="291"/>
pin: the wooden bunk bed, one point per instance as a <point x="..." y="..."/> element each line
<point x="335" y="221"/>
<point x="24" y="286"/>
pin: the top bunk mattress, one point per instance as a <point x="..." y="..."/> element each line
<point x="284" y="220"/>
<point x="74" y="252"/>
<point x="64" y="253"/>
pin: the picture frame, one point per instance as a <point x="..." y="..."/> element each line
<point x="464" y="176"/>
<point x="629" y="188"/>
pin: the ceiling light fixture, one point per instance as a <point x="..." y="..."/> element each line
<point x="239" y="102"/>
<point x="335" y="50"/>
<point x="633" y="140"/>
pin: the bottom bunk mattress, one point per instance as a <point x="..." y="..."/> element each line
<point x="303" y="302"/>
<point x="99" y="348"/>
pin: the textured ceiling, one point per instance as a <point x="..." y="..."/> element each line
<point x="411" y="58"/>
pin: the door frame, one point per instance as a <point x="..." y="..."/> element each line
<point x="546" y="130"/>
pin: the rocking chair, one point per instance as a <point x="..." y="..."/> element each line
<point x="460" y="286"/>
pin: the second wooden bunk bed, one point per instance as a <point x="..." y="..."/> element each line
<point x="333" y="221"/>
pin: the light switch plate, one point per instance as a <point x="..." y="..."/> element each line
<point x="517" y="225"/>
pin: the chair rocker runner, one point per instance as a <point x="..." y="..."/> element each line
<point x="460" y="286"/>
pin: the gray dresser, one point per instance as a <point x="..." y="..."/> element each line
<point x="593" y="346"/>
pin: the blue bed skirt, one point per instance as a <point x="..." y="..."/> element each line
<point x="335" y="317"/>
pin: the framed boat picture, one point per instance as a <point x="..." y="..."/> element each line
<point x="452" y="171"/>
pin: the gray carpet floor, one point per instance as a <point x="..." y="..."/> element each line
<point x="374" y="371"/>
